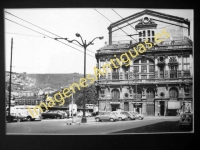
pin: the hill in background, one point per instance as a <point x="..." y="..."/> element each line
<point x="55" y="81"/>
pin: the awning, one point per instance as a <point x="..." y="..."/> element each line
<point x="114" y="102"/>
<point x="173" y="105"/>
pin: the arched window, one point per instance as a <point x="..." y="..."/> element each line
<point x="150" y="93"/>
<point x="115" y="94"/>
<point x="173" y="93"/>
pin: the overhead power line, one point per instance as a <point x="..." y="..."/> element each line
<point x="25" y="34"/>
<point x="117" y="26"/>
<point x="43" y="29"/>
<point x="46" y="36"/>
<point x="126" y="21"/>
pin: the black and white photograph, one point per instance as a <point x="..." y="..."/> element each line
<point x="98" y="71"/>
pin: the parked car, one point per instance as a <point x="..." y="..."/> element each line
<point x="87" y="114"/>
<point x="15" y="117"/>
<point x="120" y="116"/>
<point x="51" y="114"/>
<point x="186" y="120"/>
<point x="128" y="114"/>
<point x="137" y="115"/>
<point x="109" y="116"/>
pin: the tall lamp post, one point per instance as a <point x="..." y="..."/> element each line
<point x="84" y="45"/>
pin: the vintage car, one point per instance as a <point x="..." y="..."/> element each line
<point x="120" y="116"/>
<point x="15" y="117"/>
<point x="87" y="114"/>
<point x="109" y="116"/>
<point x="137" y="115"/>
<point x="128" y="114"/>
<point x="52" y="114"/>
<point x="186" y="120"/>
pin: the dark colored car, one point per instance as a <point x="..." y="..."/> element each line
<point x="15" y="117"/>
<point x="51" y="114"/>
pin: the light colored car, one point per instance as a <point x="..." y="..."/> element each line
<point x="137" y="115"/>
<point x="120" y="116"/>
<point x="87" y="114"/>
<point x="128" y="114"/>
<point x="186" y="120"/>
<point x="109" y="116"/>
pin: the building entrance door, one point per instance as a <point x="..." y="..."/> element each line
<point x="115" y="107"/>
<point x="162" y="108"/>
<point x="150" y="109"/>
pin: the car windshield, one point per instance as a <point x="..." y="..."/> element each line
<point x="106" y="113"/>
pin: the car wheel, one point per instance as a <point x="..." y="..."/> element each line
<point x="58" y="117"/>
<point x="97" y="119"/>
<point x="18" y="120"/>
<point x="29" y="118"/>
<point x="111" y="119"/>
<point x="120" y="118"/>
<point x="140" y="118"/>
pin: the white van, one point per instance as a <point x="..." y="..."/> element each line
<point x="23" y="110"/>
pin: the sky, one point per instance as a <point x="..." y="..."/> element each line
<point x="36" y="53"/>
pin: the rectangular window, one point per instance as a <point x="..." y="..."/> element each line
<point x="136" y="68"/>
<point x="140" y="40"/>
<point x="143" y="68"/>
<point x="173" y="73"/>
<point x="144" y="33"/>
<point x="143" y="76"/>
<point x="140" y="34"/>
<point x="153" y="40"/>
<point x="151" y="68"/>
<point x="148" y="32"/>
<point x="161" y="72"/>
<point x="152" y="33"/>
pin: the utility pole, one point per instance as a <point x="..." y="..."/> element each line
<point x="73" y="119"/>
<point x="10" y="77"/>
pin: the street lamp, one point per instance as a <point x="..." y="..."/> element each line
<point x="84" y="45"/>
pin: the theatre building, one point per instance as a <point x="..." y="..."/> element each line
<point x="158" y="81"/>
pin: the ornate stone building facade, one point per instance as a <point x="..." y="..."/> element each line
<point x="157" y="82"/>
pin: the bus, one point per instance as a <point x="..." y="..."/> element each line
<point x="23" y="110"/>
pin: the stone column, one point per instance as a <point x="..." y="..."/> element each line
<point x="156" y="68"/>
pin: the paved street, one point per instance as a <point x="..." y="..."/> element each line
<point x="59" y="126"/>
